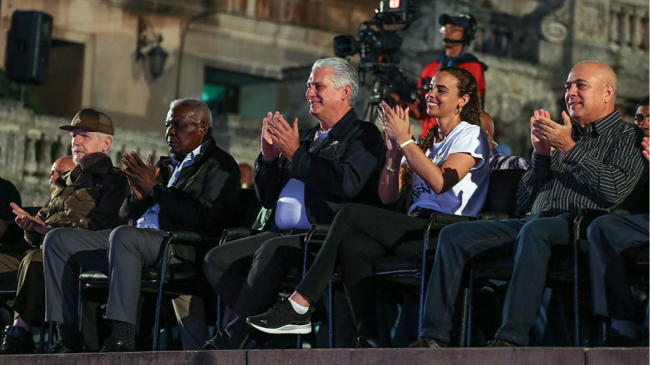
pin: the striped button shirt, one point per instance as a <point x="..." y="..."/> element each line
<point x="506" y="162"/>
<point x="598" y="172"/>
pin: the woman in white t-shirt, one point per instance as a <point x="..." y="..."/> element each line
<point x="447" y="172"/>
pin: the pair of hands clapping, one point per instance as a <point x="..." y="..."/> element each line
<point x="278" y="137"/>
<point x="547" y="135"/>
<point x="141" y="176"/>
<point x="396" y="126"/>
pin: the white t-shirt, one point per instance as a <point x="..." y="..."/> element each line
<point x="466" y="198"/>
<point x="290" y="210"/>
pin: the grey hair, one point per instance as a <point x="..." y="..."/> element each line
<point x="344" y="74"/>
<point x="101" y="135"/>
<point x="196" y="104"/>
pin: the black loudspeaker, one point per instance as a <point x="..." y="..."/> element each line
<point x="28" y="47"/>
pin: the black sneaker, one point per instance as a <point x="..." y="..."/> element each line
<point x="16" y="340"/>
<point x="282" y="319"/>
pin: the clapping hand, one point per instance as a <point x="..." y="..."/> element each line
<point x="396" y="125"/>
<point x="27" y="221"/>
<point x="552" y="134"/>
<point x="284" y="137"/>
<point x="142" y="177"/>
<point x="269" y="150"/>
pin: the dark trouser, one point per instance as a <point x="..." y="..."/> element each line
<point x="247" y="274"/>
<point x="123" y="251"/>
<point x="30" y="297"/>
<point x="610" y="237"/>
<point x="359" y="234"/>
<point x="9" y="264"/>
<point x="530" y="239"/>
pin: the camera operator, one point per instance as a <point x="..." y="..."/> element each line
<point x="457" y="34"/>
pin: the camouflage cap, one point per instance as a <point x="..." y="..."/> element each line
<point x="91" y="120"/>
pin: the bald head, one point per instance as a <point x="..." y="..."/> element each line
<point x="61" y="165"/>
<point x="590" y="92"/>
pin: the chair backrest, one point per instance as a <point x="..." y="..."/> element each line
<point x="502" y="192"/>
<point x="249" y="207"/>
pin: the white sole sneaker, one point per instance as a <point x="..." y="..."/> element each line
<point x="297" y="329"/>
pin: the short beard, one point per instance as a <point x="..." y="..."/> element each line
<point x="76" y="159"/>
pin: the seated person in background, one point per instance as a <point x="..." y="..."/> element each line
<point x="61" y="165"/>
<point x="12" y="244"/>
<point x="642" y="116"/>
<point x="305" y="176"/>
<point x="590" y="161"/>
<point x="610" y="237"/>
<point x="88" y="197"/>
<point x="497" y="160"/>
<point x="195" y="190"/>
<point x="448" y="173"/>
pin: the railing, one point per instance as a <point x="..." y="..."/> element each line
<point x="628" y="25"/>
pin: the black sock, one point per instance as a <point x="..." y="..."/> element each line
<point x="124" y="332"/>
<point x="69" y="336"/>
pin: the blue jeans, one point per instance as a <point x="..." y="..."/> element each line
<point x="530" y="241"/>
<point x="612" y="237"/>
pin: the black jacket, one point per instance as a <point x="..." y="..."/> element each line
<point x="203" y="199"/>
<point x="344" y="168"/>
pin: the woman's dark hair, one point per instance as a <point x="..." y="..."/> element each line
<point x="470" y="113"/>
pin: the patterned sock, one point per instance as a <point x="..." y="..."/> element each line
<point x="69" y="335"/>
<point x="124" y="332"/>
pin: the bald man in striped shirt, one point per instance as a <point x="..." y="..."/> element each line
<point x="590" y="160"/>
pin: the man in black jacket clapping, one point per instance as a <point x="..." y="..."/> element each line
<point x="193" y="190"/>
<point x="305" y="177"/>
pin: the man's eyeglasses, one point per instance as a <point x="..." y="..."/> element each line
<point x="451" y="29"/>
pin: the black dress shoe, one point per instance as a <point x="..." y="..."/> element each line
<point x="115" y="346"/>
<point x="59" y="348"/>
<point x="369" y="343"/>
<point x="497" y="342"/>
<point x="16" y="340"/>
<point x="428" y="343"/>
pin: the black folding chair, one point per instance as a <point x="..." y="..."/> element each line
<point x="172" y="280"/>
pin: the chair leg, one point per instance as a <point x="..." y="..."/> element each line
<point x="218" y="314"/>
<point x="330" y="315"/>
<point x="41" y="344"/>
<point x="468" y="312"/>
<point x="79" y="301"/>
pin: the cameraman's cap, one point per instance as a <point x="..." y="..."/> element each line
<point x="462" y="20"/>
<point x="91" y="120"/>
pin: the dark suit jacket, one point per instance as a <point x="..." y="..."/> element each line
<point x="344" y="168"/>
<point x="203" y="199"/>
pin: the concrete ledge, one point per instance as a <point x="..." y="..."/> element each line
<point x="609" y="356"/>
<point x="473" y="356"/>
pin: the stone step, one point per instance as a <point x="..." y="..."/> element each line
<point x="455" y="356"/>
